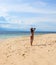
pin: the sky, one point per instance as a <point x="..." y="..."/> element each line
<point x="21" y="15"/>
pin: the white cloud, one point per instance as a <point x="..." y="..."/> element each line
<point x="39" y="4"/>
<point x="3" y="10"/>
<point x="25" y="22"/>
<point x="27" y="7"/>
<point x="38" y="7"/>
<point x="35" y="20"/>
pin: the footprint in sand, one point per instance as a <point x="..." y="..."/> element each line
<point x="23" y="54"/>
<point x="8" y="56"/>
<point x="48" y="50"/>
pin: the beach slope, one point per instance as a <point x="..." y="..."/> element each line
<point x="18" y="51"/>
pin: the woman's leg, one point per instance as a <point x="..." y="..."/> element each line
<point x="31" y="40"/>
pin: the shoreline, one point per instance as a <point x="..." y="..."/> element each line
<point x="8" y="37"/>
<point x="18" y="51"/>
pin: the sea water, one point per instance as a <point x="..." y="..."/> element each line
<point x="11" y="34"/>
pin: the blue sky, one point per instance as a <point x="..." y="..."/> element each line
<point x="24" y="14"/>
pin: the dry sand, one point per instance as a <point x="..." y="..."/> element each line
<point x="17" y="51"/>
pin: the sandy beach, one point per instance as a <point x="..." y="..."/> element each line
<point x="18" y="51"/>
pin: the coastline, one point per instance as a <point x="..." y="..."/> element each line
<point x="18" y="51"/>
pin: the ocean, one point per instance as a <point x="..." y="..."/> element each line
<point x="11" y="34"/>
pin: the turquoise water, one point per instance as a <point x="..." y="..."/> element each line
<point x="4" y="35"/>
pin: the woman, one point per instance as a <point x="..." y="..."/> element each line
<point x="32" y="35"/>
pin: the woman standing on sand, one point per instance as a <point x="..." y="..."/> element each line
<point x="32" y="35"/>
